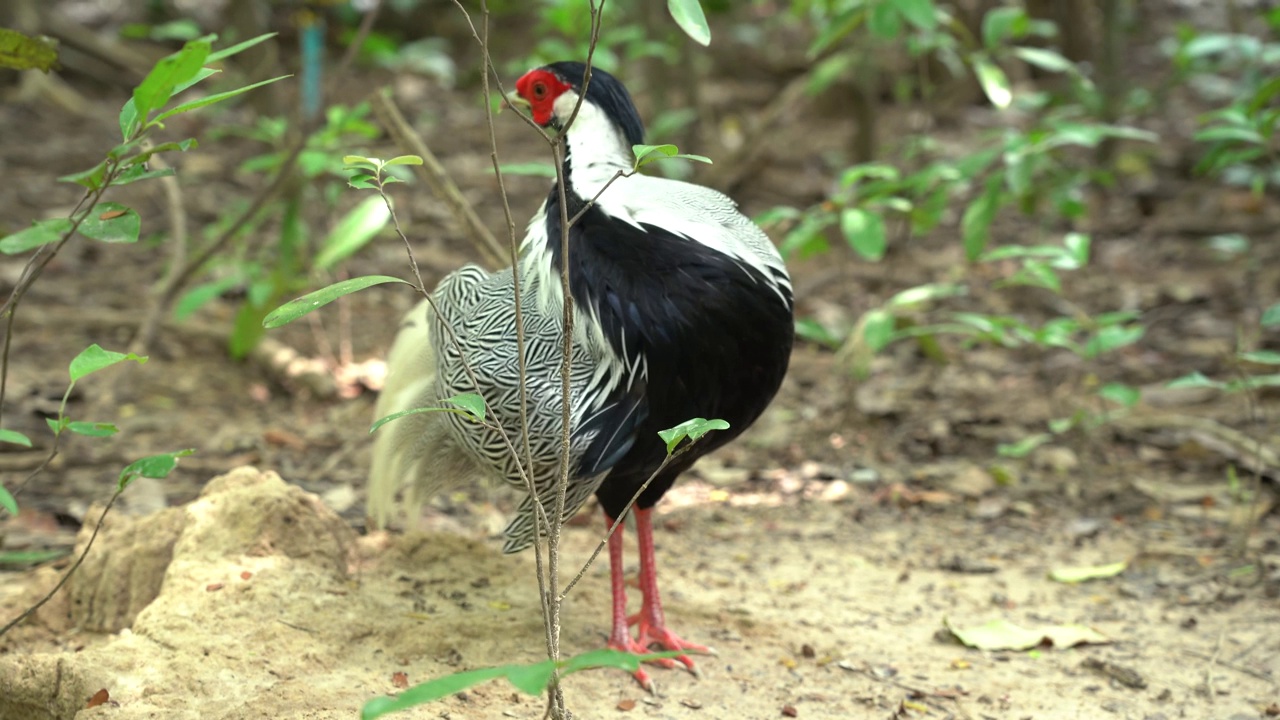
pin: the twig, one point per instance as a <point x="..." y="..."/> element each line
<point x="36" y="265"/>
<point x="434" y="175"/>
<point x="729" y="172"/>
<point x="1231" y="666"/>
<point x="618" y="520"/>
<point x="177" y="280"/>
<point x="1234" y="444"/>
<point x="67" y="575"/>
<point x="137" y="63"/>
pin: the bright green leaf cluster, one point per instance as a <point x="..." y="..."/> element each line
<point x="531" y="679"/>
<point x="469" y="405"/>
<point x="646" y="154"/>
<point x="693" y="429"/>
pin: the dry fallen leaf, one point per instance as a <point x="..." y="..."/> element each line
<point x="1004" y="635"/>
<point x="1075" y="575"/>
<point x="99" y="698"/>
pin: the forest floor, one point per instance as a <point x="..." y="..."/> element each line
<point x="823" y="555"/>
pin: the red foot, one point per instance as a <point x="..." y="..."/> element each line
<point x="652" y="630"/>
<point x="652" y="635"/>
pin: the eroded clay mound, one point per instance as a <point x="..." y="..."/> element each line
<point x="241" y="604"/>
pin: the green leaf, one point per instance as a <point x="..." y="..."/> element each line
<point x="353" y="232"/>
<point x="814" y="331"/>
<point x="13" y="437"/>
<point x="693" y="429"/>
<point x="1121" y="394"/>
<point x="1075" y="575"/>
<point x="1112" y="337"/>
<point x="828" y="71"/>
<point x="27" y="558"/>
<point x="1271" y="316"/>
<point x="404" y="160"/>
<point x="472" y="407"/>
<point x="92" y="429"/>
<point x="23" y="52"/>
<point x="920" y="13"/>
<point x="200" y="295"/>
<point x="646" y="154"/>
<point x="975" y="225"/>
<point x="1195" y="380"/>
<point x="361" y="161"/>
<point x="91" y="178"/>
<point x="94" y="358"/>
<point x="1077" y="244"/>
<point x="865" y="232"/>
<point x="993" y="80"/>
<point x="295" y="309"/>
<point x="140" y="172"/>
<point x="156" y="467"/>
<point x="1226" y="133"/>
<point x="534" y="169"/>
<point x="884" y="21"/>
<point x="1262" y="357"/>
<point x="7" y="501"/>
<point x="1023" y="447"/>
<point x="1003" y="24"/>
<point x="146" y="154"/>
<point x="609" y="658"/>
<point x="470" y="402"/>
<point x="238" y="48"/>
<point x="164" y="78"/>
<point x="211" y="99"/>
<point x="43" y="232"/>
<point x="843" y="23"/>
<point x="689" y="16"/>
<point x="1045" y="59"/>
<point x="877" y="327"/>
<point x="110" y="222"/>
<point x="925" y="293"/>
<point x="531" y="679"/>
<point x="429" y="691"/>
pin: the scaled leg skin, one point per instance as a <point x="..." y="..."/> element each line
<point x="651" y="620"/>
<point x="652" y="628"/>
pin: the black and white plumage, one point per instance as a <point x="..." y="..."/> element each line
<point x="683" y="309"/>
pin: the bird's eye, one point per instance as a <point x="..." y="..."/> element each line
<point x="539" y="90"/>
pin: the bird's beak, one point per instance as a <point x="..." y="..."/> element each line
<point x="515" y="101"/>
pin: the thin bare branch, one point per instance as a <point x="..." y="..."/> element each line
<point x="434" y="175"/>
<point x="70" y="571"/>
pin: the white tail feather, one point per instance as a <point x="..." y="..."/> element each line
<point x="407" y="452"/>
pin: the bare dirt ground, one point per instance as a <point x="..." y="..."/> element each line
<point x="821" y="555"/>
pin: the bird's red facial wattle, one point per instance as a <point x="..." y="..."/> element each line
<point x="540" y="88"/>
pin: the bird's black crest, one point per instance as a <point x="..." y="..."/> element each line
<point x="607" y="93"/>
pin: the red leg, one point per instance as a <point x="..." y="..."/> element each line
<point x="620" y="637"/>
<point x="651" y="620"/>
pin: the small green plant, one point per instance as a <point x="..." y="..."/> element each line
<point x="268" y="272"/>
<point x="530" y="679"/>
<point x="141" y="117"/>
<point x="1238" y="71"/>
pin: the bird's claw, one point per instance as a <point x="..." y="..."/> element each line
<point x="650" y="635"/>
